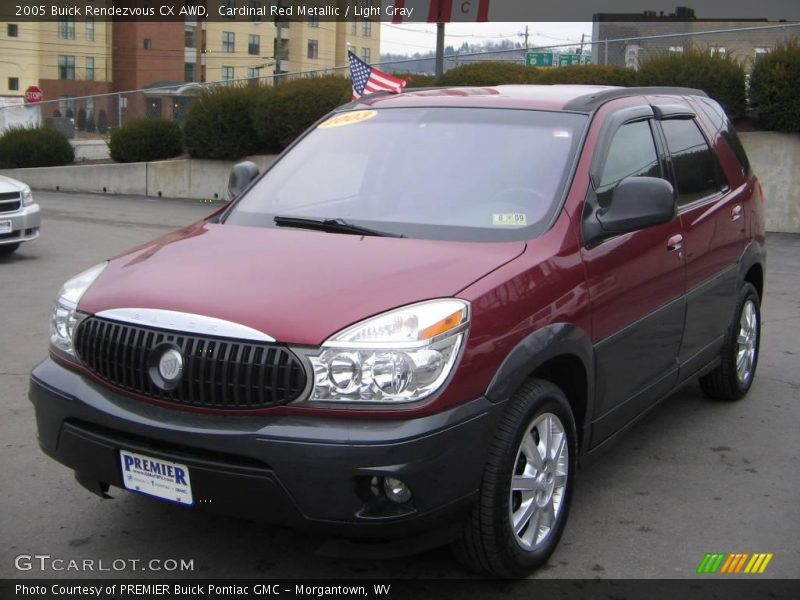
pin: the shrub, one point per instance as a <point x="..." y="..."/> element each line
<point x="490" y="73"/>
<point x="56" y="113"/>
<point x="290" y="108"/>
<point x="90" y="126"/>
<point x="720" y="76"/>
<point x="589" y="74"/>
<point x="30" y="147"/>
<point x="219" y="124"/>
<point x="774" y="87"/>
<point x="81" y="122"/>
<point x="146" y="139"/>
<point x="102" y="122"/>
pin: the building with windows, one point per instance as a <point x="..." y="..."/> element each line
<point x="236" y="50"/>
<point x="626" y="39"/>
<point x="239" y="50"/>
<point x="76" y="57"/>
<point x="71" y="57"/>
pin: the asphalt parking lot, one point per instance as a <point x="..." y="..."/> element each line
<point x="694" y="476"/>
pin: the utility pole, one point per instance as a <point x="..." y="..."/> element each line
<point x="526" y="37"/>
<point x="439" y="47"/>
<point x="439" y="38"/>
<point x="583" y="35"/>
<point x="278" y="44"/>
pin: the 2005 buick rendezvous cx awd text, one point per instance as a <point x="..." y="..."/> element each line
<point x="422" y="314"/>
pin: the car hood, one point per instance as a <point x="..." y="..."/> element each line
<point x="295" y="285"/>
<point x="10" y="185"/>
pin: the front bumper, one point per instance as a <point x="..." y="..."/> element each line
<point x="25" y="224"/>
<point x="304" y="471"/>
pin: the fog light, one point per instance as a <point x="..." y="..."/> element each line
<point x="396" y="490"/>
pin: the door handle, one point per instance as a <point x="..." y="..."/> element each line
<point x="736" y="213"/>
<point x="675" y="242"/>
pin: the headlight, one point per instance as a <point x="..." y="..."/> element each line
<point x="64" y="317"/>
<point x="403" y="355"/>
<point x="27" y="196"/>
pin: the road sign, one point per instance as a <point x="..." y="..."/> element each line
<point x="539" y="59"/>
<point x="33" y="95"/>
<point x="569" y="59"/>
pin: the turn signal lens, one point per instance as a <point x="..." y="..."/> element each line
<point x="449" y="322"/>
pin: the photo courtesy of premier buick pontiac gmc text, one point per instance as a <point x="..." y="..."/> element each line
<point x="421" y="318"/>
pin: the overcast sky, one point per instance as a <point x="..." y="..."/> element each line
<point x="421" y="37"/>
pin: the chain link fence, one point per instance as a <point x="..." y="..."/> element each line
<point x="93" y="117"/>
<point x="90" y="118"/>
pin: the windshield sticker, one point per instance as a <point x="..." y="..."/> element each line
<point x="561" y="134"/>
<point x="510" y="219"/>
<point x="348" y="118"/>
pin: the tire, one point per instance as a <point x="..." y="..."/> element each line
<point x="6" y="249"/>
<point x="488" y="543"/>
<point x="739" y="356"/>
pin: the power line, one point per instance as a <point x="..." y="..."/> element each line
<point x="328" y="70"/>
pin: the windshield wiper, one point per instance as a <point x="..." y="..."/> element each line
<point x="338" y="225"/>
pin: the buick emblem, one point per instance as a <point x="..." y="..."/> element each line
<point x="165" y="366"/>
<point x="170" y="366"/>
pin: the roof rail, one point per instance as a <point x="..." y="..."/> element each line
<point x="593" y="101"/>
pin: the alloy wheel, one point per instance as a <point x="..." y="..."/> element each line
<point x="538" y="481"/>
<point x="747" y="342"/>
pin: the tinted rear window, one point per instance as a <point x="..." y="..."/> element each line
<point x="692" y="160"/>
<point x="723" y="125"/>
<point x="438" y="173"/>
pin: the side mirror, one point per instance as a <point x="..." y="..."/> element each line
<point x="241" y="175"/>
<point x="636" y="203"/>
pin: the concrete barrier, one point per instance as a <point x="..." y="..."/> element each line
<point x="775" y="158"/>
<point x="182" y="178"/>
<point x="129" y="179"/>
<point x="202" y="179"/>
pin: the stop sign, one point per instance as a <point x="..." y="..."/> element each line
<point x="33" y="95"/>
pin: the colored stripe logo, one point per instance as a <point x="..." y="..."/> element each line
<point x="734" y="563"/>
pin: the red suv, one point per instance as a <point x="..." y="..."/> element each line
<point x="420" y="317"/>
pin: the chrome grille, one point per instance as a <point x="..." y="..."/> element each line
<point x="217" y="372"/>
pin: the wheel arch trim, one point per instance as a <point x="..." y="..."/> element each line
<point x="535" y="350"/>
<point x="754" y="254"/>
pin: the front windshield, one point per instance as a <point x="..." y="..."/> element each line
<point x="437" y="173"/>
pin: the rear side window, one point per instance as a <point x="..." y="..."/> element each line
<point x="729" y="134"/>
<point x="692" y="160"/>
<point x="724" y="126"/>
<point x="632" y="154"/>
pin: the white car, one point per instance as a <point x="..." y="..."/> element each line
<point x="19" y="215"/>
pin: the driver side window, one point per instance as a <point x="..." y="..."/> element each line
<point x="632" y="154"/>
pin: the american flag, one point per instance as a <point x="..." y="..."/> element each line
<point x="367" y="80"/>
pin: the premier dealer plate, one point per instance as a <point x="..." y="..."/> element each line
<point x="156" y="477"/>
